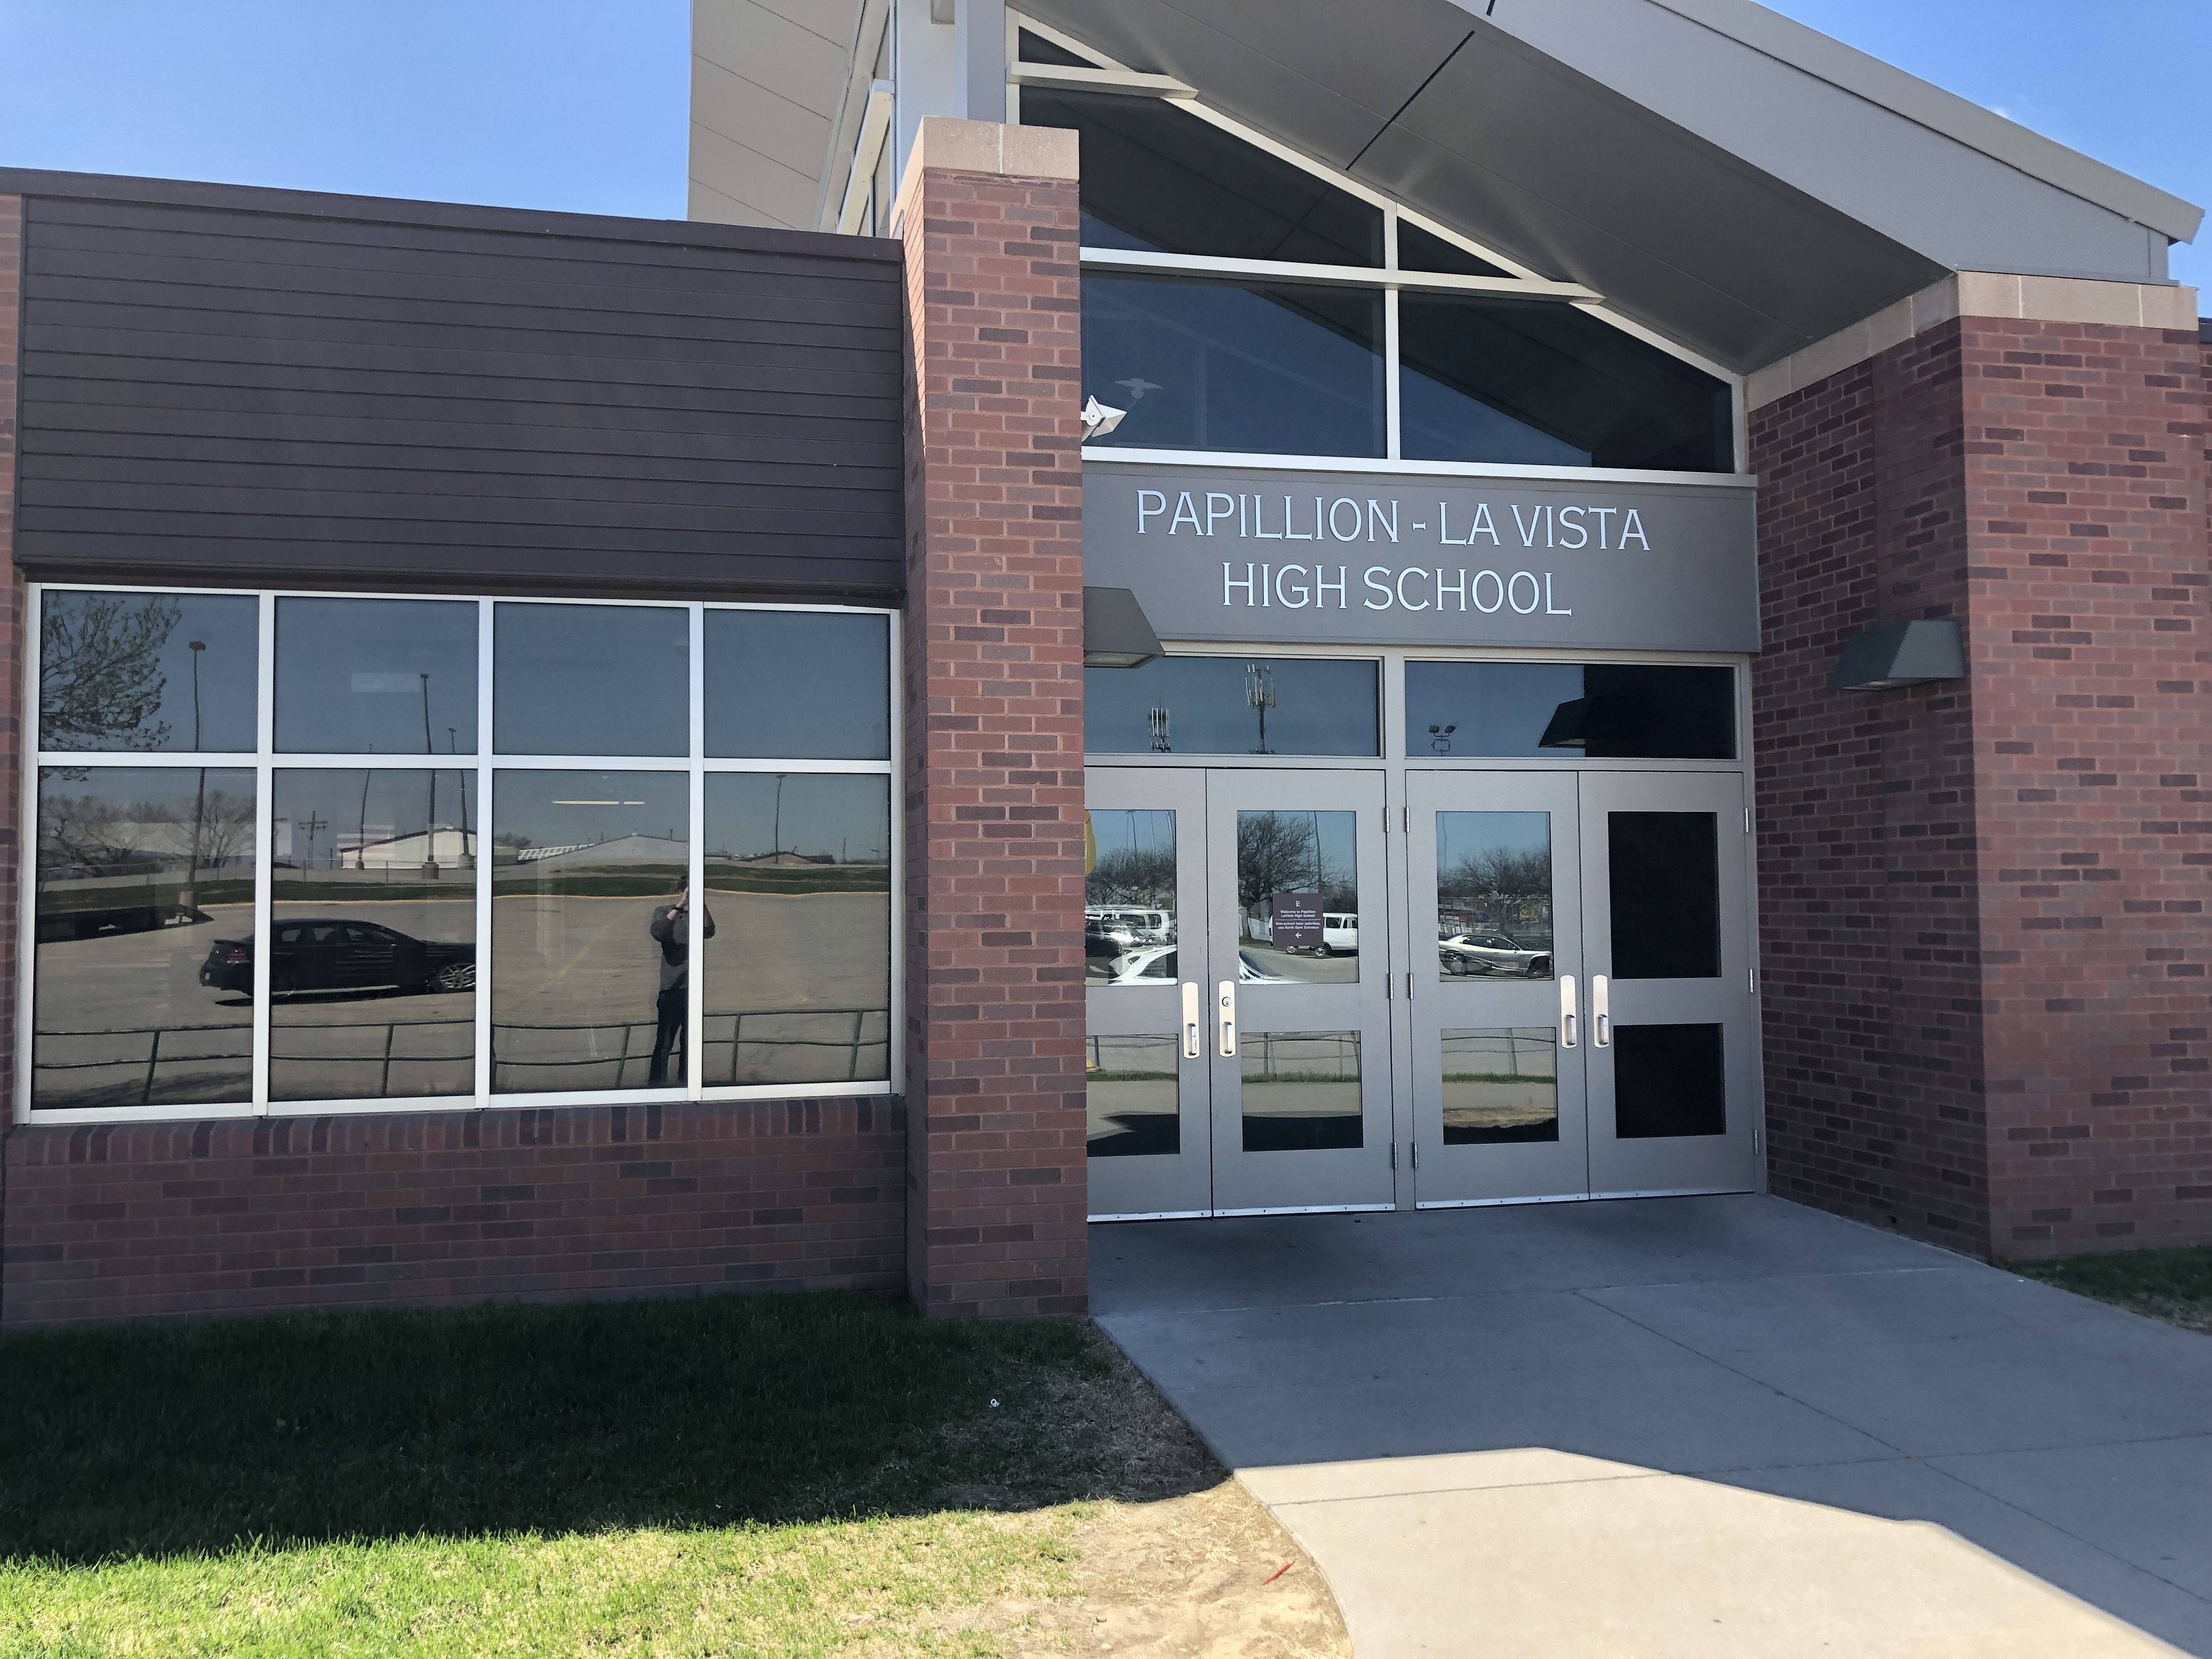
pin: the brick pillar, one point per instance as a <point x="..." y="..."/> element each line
<point x="11" y="644"/>
<point x="993" y="772"/>
<point x="1983" y="902"/>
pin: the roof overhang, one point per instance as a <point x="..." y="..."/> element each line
<point x="1738" y="182"/>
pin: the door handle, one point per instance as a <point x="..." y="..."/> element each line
<point x="1567" y="1010"/>
<point x="1225" y="1018"/>
<point x="1193" y="1022"/>
<point x="1601" y="1012"/>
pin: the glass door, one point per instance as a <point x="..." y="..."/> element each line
<point x="1297" y="986"/>
<point x="1495" y="936"/>
<point x="1672" y="1016"/>
<point x="1148" y="1029"/>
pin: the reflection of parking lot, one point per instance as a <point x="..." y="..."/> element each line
<point x="123" y="1019"/>
<point x="1304" y="967"/>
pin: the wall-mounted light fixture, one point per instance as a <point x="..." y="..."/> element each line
<point x="1891" y="655"/>
<point x="1117" y="634"/>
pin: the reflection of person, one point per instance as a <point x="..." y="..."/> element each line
<point x="671" y="929"/>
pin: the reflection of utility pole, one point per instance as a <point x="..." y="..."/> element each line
<point x="468" y="850"/>
<point x="361" y="842"/>
<point x="1259" y="694"/>
<point x="1158" y="720"/>
<point x="776" y="852"/>
<point x="191" y="895"/>
<point x="430" y="813"/>
<point x="311" y="826"/>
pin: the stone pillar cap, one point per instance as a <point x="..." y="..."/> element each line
<point x="947" y="144"/>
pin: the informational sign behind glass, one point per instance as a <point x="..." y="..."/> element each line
<point x="1386" y="559"/>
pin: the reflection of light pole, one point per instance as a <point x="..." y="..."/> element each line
<point x="191" y="895"/>
<point x="776" y="852"/>
<point x="468" y="851"/>
<point x="1259" y="694"/>
<point x="430" y="813"/>
<point x="361" y="842"/>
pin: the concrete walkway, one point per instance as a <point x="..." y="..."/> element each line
<point x="1701" y="1427"/>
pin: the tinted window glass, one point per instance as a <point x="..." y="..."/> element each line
<point x="1231" y="706"/>
<point x="121" y="670"/>
<point x="1663" y="874"/>
<point x="1668" y="1080"/>
<point x="1297" y="898"/>
<point x="1494" y="894"/>
<point x="144" y="921"/>
<point x="1419" y="250"/>
<point x="373" y="890"/>
<point x="1603" y="711"/>
<point x="1032" y="48"/>
<point x="590" y="679"/>
<point x="1236" y="365"/>
<point x="1129" y="897"/>
<point x="798" y="684"/>
<point x="379" y="677"/>
<point x="798" y="964"/>
<point x="583" y="864"/>
<point x="1157" y="178"/>
<point x="1132" y="1105"/>
<point x="1300" y="1089"/>
<point x="1503" y="379"/>
<point x="1501" y="1085"/>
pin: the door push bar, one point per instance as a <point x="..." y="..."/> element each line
<point x="1601" y="1012"/>
<point x="1225" y="1018"/>
<point x="1568" y="1036"/>
<point x="1193" y="1039"/>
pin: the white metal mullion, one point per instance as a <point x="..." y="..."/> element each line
<point x="27" y="853"/>
<point x="483" y="778"/>
<point x="1392" y="436"/>
<point x="264" y="811"/>
<point x="694" y="975"/>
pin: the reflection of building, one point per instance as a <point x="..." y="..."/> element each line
<point x="399" y="852"/>
<point x="620" y="849"/>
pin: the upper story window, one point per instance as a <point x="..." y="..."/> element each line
<point x="1216" y="316"/>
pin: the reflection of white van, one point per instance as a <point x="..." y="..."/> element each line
<point x="1339" y="932"/>
<point x="1146" y="927"/>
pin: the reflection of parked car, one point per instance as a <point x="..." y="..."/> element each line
<point x="1155" y="964"/>
<point x="1339" y="933"/>
<point x="1492" y="953"/>
<point x="1146" y="927"/>
<point x="1103" y="937"/>
<point x="326" y="954"/>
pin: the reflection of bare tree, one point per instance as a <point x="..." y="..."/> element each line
<point x="1130" y="875"/>
<point x="1281" y="853"/>
<point x="100" y="671"/>
<point x="1501" y="873"/>
<point x="89" y="834"/>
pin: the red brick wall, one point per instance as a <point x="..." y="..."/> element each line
<point x="175" y="1220"/>
<point x="994" y="747"/>
<point x="1983" y="938"/>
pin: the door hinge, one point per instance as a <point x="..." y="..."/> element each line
<point x="1387" y="993"/>
<point x="1414" y="1147"/>
<point x="1758" y="1140"/>
<point x="1409" y="985"/>
<point x="1394" y="1156"/>
<point x="1747" y="820"/>
<point x="1406" y="819"/>
<point x="1752" y="974"/>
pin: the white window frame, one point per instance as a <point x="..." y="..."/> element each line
<point x="264" y="760"/>
<point x="1521" y="282"/>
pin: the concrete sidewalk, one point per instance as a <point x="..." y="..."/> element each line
<point x="1701" y="1427"/>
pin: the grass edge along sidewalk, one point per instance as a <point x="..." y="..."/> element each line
<point x="775" y="1474"/>
<point x="2173" y="1285"/>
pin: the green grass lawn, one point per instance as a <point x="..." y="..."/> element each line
<point x="729" y="1475"/>
<point x="2175" y="1285"/>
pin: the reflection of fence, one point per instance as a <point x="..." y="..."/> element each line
<point x="854" y="1039"/>
<point x="1131" y="1053"/>
<point x="1299" y="1054"/>
<point x="1498" y="1052"/>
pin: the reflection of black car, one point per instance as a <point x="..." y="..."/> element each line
<point x="323" y="954"/>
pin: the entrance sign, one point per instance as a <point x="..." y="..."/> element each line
<point x="1295" y="921"/>
<point x="1233" y="553"/>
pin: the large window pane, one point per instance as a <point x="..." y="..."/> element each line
<point x="1157" y="178"/>
<point x="145" y="893"/>
<point x="1132" y="1105"/>
<point x="147" y="671"/>
<point x="798" y="685"/>
<point x="1669" y="1080"/>
<point x="1664" y="877"/>
<point x="1129" y="898"/>
<point x="798" y="952"/>
<point x="1421" y="250"/>
<point x="1231" y="706"/>
<point x="1522" y="380"/>
<point x="1301" y="1090"/>
<point x="1248" y="367"/>
<point x="1298" y="896"/>
<point x="379" y="676"/>
<point x="1501" y="1085"/>
<point x="581" y="863"/>
<point x="372" y="968"/>
<point x="1608" y="711"/>
<point x="590" y="679"/>
<point x="1494" y="894"/>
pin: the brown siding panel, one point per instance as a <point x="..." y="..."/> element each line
<point x="239" y="394"/>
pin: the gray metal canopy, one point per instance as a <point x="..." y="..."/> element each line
<point x="1741" y="183"/>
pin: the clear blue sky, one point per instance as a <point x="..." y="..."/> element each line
<point x="581" y="104"/>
